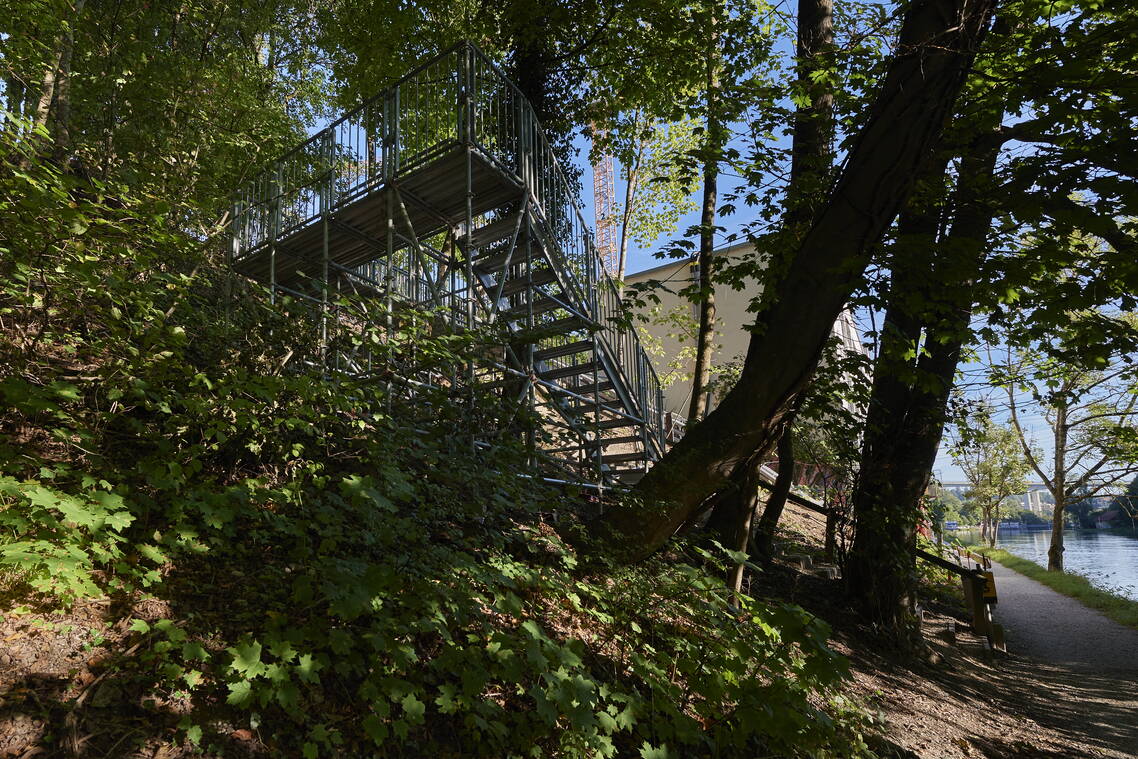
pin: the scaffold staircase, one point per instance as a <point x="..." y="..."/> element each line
<point x="442" y="194"/>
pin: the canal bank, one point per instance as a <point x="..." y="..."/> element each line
<point x="1070" y="666"/>
<point x="1052" y="627"/>
<point x="1107" y="558"/>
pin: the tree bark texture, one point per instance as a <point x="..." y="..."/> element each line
<point x="705" y="337"/>
<point x="741" y="537"/>
<point x="879" y="568"/>
<point x="62" y="132"/>
<point x="908" y="408"/>
<point x="810" y="152"/>
<point x="1058" y="492"/>
<point x="937" y="45"/>
<point x="626" y="216"/>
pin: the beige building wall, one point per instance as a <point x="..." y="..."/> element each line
<point x="673" y="353"/>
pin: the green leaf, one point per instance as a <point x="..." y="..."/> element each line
<point x="240" y="693"/>
<point x="307" y="667"/>
<point x="375" y="729"/>
<point x="648" y="751"/>
<point x="247" y="659"/>
<point x="414" y="708"/>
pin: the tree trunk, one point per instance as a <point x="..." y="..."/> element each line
<point x="937" y="45"/>
<point x="1055" y="551"/>
<point x="908" y="406"/>
<point x="831" y="549"/>
<point x="1059" y="491"/>
<point x="811" y="159"/>
<point x="62" y="131"/>
<point x="530" y="65"/>
<point x="764" y="532"/>
<point x="626" y="216"/>
<point x="811" y="155"/>
<point x="879" y="568"/>
<point x="704" y="345"/>
<point x="14" y="97"/>
<point x="742" y="535"/>
<point x="47" y="93"/>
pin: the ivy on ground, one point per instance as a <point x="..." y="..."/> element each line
<point x="344" y="572"/>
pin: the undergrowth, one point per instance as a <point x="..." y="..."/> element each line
<point x="343" y="573"/>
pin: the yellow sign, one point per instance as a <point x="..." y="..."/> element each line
<point x="989" y="587"/>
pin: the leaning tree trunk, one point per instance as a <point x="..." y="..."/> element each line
<point x="938" y="42"/>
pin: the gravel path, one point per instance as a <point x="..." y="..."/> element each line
<point x="1054" y="628"/>
<point x="1070" y="667"/>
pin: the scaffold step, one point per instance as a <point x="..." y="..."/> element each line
<point x="622" y="440"/>
<point x="612" y="424"/>
<point x="620" y="458"/>
<point x="569" y="371"/>
<point x="493" y="263"/>
<point x="558" y="351"/>
<point x="561" y="326"/>
<point x="540" y="306"/>
<point x="518" y="284"/>
<point x="499" y="229"/>
<point x="587" y="389"/>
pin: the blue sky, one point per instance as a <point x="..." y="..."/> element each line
<point x="640" y="258"/>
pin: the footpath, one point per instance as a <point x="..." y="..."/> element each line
<point x="1069" y="667"/>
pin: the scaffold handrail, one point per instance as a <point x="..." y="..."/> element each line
<point x="459" y="98"/>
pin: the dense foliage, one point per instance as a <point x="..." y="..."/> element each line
<point x="337" y="566"/>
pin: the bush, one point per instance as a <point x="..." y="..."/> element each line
<point x="343" y="568"/>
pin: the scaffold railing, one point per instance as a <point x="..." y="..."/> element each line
<point x="410" y="139"/>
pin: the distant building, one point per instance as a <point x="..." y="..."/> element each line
<point x="674" y="354"/>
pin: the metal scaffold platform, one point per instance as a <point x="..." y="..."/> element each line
<point x="442" y="194"/>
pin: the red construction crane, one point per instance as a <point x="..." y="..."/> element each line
<point x="604" y="208"/>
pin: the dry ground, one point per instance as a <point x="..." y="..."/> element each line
<point x="70" y="684"/>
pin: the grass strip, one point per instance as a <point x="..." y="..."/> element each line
<point x="1122" y="610"/>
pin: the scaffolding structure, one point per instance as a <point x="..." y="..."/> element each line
<point x="442" y="195"/>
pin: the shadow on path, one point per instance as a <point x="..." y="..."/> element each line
<point x="1070" y="667"/>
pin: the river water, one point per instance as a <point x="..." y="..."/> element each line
<point x="1108" y="558"/>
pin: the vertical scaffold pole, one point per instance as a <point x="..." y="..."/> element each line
<point x="325" y="214"/>
<point x="275" y="195"/>
<point x="230" y="256"/>
<point x="390" y="120"/>
<point x="591" y="284"/>
<point x="467" y="69"/>
<point x="531" y="368"/>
